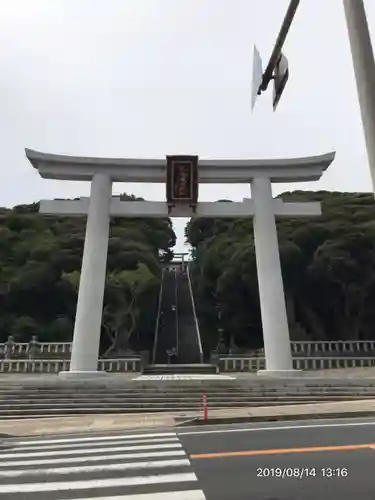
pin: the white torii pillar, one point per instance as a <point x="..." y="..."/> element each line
<point x="87" y="328"/>
<point x="276" y="336"/>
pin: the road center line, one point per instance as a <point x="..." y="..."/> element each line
<point x="349" y="447"/>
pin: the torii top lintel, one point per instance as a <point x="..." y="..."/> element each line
<point x="237" y="171"/>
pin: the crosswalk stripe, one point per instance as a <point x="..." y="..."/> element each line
<point x="131" y="464"/>
<point x="88" y="469"/>
<point x="96" y="438"/>
<point x="5" y="456"/>
<point x="87" y="445"/>
<point x="98" y="483"/>
<point x="94" y="458"/>
<point x="168" y="495"/>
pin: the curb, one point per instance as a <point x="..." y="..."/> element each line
<point x="110" y="431"/>
<point x="87" y="433"/>
<point x="276" y="418"/>
<point x="195" y="421"/>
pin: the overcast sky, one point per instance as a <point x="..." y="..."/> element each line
<point x="146" y="78"/>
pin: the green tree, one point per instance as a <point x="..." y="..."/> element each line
<point x="24" y="328"/>
<point x="327" y="264"/>
<point x="40" y="263"/>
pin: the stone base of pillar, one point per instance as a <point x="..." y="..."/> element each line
<point x="279" y="373"/>
<point x="78" y="375"/>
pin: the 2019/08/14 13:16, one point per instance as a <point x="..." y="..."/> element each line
<point x="300" y="473"/>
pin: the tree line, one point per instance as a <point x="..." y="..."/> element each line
<point x="40" y="263"/>
<point x="328" y="266"/>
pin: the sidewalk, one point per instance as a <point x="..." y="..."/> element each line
<point x="108" y="423"/>
<point x="84" y="423"/>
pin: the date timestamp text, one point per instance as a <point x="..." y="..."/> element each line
<point x="302" y="472"/>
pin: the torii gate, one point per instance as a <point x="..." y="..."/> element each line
<point x="182" y="174"/>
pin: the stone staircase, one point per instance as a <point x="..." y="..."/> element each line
<point x="60" y="398"/>
<point x="177" y="330"/>
<point x="166" y="338"/>
<point x="179" y="369"/>
<point x="188" y="334"/>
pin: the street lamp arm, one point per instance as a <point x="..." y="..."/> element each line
<point x="284" y="30"/>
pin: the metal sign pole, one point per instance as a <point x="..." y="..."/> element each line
<point x="364" y="70"/>
<point x="275" y="56"/>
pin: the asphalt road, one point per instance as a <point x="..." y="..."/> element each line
<point x="255" y="462"/>
<point x="287" y="461"/>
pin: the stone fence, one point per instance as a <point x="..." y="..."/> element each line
<point x="34" y="349"/>
<point x="226" y="364"/>
<point x="308" y="348"/>
<point x="56" y="366"/>
<point x="240" y="364"/>
<point x="319" y="349"/>
<point x="62" y="350"/>
<point x="43" y="357"/>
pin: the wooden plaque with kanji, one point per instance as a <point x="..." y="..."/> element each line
<point x="182" y="179"/>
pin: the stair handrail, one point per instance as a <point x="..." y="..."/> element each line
<point x="195" y="314"/>
<point x="156" y="334"/>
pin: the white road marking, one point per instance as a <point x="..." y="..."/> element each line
<point x="94" y="458"/>
<point x="97" y="444"/>
<point x="97" y="483"/>
<point x="184" y="377"/>
<point x="168" y="495"/>
<point x="165" y="446"/>
<point x="88" y="469"/>
<point x="96" y="438"/>
<point x="279" y="428"/>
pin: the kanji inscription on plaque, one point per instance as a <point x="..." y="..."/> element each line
<point x="182" y="179"/>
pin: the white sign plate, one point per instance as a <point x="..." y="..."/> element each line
<point x="257" y="76"/>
